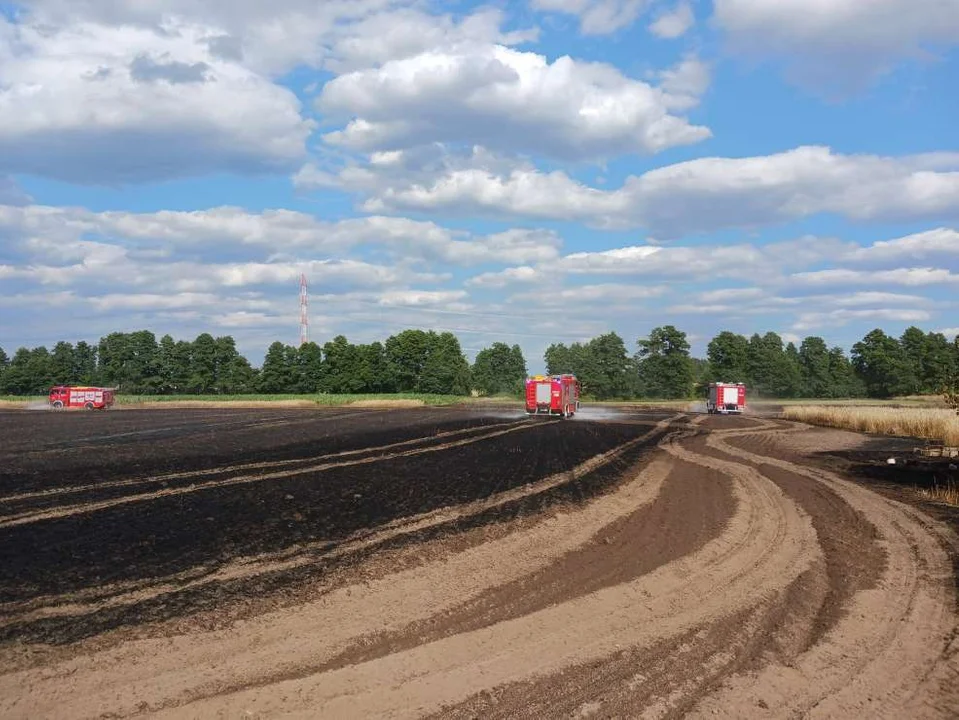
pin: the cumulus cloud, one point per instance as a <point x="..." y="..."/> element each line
<point x="700" y="195"/>
<point x="816" y="322"/>
<point x="840" y="44"/>
<point x="271" y="38"/>
<point x="65" y="233"/>
<point x="505" y="100"/>
<point x="914" y="277"/>
<point x="939" y="244"/>
<point x="740" y="261"/>
<point x="610" y="296"/>
<point x="673" y="23"/>
<point x="97" y="104"/>
<point x="596" y="17"/>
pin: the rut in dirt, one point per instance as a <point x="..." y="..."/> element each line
<point x="622" y="551"/>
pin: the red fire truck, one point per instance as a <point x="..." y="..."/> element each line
<point x="552" y="395"/>
<point x="71" y="396"/>
<point x="724" y="398"/>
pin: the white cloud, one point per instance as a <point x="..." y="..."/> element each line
<point x="270" y="38"/>
<point x="914" y="277"/>
<point x="689" y="78"/>
<point x="518" y="275"/>
<point x="95" y="104"/>
<point x="610" y="296"/>
<point x="506" y="100"/>
<point x="674" y="23"/>
<point x="57" y="232"/>
<point x="406" y="32"/>
<point x="701" y="195"/>
<point x="877" y="298"/>
<point x="940" y="244"/>
<point x="273" y="38"/>
<point x="449" y="299"/>
<point x="741" y="261"/>
<point x="596" y="17"/>
<point x="951" y="333"/>
<point x="816" y="322"/>
<point x="838" y="43"/>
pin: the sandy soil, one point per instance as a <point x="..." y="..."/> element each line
<point x="692" y="566"/>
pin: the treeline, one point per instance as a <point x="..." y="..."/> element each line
<point x="137" y="363"/>
<point x="879" y="366"/>
<point x="660" y="367"/>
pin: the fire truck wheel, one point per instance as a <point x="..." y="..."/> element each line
<point x="58" y="405"/>
<point x="89" y="406"/>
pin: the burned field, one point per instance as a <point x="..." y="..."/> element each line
<point x="110" y="520"/>
<point x="459" y="563"/>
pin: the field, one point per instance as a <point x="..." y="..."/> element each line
<point x="937" y="424"/>
<point x="467" y="561"/>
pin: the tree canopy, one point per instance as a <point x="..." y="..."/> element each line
<point x="426" y="361"/>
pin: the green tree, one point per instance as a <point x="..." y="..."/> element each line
<point x="234" y="375"/>
<point x="373" y="369"/>
<point x="341" y="372"/>
<point x="203" y="362"/>
<point x="406" y="353"/>
<point x="84" y="363"/>
<point x="728" y="355"/>
<point x="817" y="380"/>
<point x="940" y="364"/>
<point x="4" y="364"/>
<point x="931" y="358"/>
<point x="561" y="359"/>
<point x="914" y="344"/>
<point x="169" y="366"/>
<point x="665" y="368"/>
<point x="610" y="371"/>
<point x="30" y="372"/>
<point x="499" y="369"/>
<point x="276" y="376"/>
<point x="790" y="377"/>
<point x="129" y="361"/>
<point x="883" y="366"/>
<point x="16" y="378"/>
<point x="845" y="381"/>
<point x="62" y="365"/>
<point x="603" y="366"/>
<point x="310" y="360"/>
<point x="771" y="371"/>
<point x="446" y="370"/>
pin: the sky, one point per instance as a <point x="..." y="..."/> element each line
<point x="529" y="172"/>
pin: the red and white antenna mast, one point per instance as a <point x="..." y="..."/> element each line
<point x="304" y="318"/>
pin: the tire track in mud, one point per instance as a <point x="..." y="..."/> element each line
<point x="887" y="653"/>
<point x="89" y="507"/>
<point x="854" y="635"/>
<point x="120" y="594"/>
<point x="766" y="544"/>
<point x="629" y="547"/>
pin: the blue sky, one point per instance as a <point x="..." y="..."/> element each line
<point x="531" y="172"/>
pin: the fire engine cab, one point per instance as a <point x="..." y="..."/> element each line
<point x="90" y="398"/>
<point x="552" y="395"/>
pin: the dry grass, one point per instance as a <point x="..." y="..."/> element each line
<point x="929" y="423"/>
<point x="948" y="494"/>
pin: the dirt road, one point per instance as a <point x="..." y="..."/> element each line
<point x="448" y="565"/>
